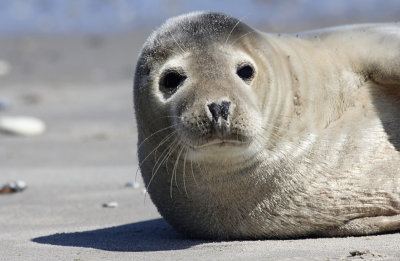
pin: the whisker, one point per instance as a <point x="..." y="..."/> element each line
<point x="160" y="43"/>
<point x="170" y="148"/>
<point x="237" y="39"/>
<point x="163" y="129"/>
<point x="191" y="166"/>
<point x="174" y="171"/>
<point x="229" y="35"/>
<point x="163" y="155"/>
<point x="154" y="133"/>
<point x="148" y="155"/>
<point x="184" y="172"/>
<point x="170" y="116"/>
<point x="176" y="42"/>
<point x="201" y="170"/>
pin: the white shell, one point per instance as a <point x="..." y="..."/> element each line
<point x="25" y="126"/>
<point x="16" y="185"/>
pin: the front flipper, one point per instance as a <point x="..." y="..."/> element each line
<point x="372" y="49"/>
<point x="377" y="54"/>
<point x="367" y="226"/>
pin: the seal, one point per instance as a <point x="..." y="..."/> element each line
<point x="251" y="135"/>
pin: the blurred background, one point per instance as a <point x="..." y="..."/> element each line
<point x="70" y="64"/>
<point x="98" y="40"/>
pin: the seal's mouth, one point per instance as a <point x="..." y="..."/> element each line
<point x="213" y="139"/>
<point x="220" y="143"/>
<point x="219" y="150"/>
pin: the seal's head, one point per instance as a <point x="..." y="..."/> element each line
<point x="199" y="76"/>
<point x="203" y="93"/>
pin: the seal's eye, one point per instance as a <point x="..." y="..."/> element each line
<point x="246" y="72"/>
<point x="171" y="81"/>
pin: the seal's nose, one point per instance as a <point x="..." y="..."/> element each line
<point x="219" y="110"/>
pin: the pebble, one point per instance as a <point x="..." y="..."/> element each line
<point x="13" y="187"/>
<point x="23" y="126"/>
<point x="365" y="254"/>
<point x="112" y="204"/>
<point x="32" y="98"/>
<point x="133" y="184"/>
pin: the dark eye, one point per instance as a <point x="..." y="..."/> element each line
<point x="171" y="81"/>
<point x="246" y="72"/>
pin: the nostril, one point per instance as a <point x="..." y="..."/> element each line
<point x="218" y="110"/>
<point x="224" y="109"/>
<point x="215" y="110"/>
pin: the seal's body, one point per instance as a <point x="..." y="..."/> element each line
<point x="250" y="135"/>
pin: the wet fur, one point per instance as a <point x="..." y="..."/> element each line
<point x="317" y="130"/>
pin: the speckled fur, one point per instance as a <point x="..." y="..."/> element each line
<point x="316" y="129"/>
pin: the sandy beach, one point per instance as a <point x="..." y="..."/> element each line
<point x="81" y="87"/>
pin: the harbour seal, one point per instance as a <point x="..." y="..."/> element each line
<point x="251" y="135"/>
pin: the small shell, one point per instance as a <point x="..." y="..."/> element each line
<point x="112" y="204"/>
<point x="24" y="126"/>
<point x="13" y="186"/>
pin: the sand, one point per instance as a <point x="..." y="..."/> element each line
<point x="81" y="88"/>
